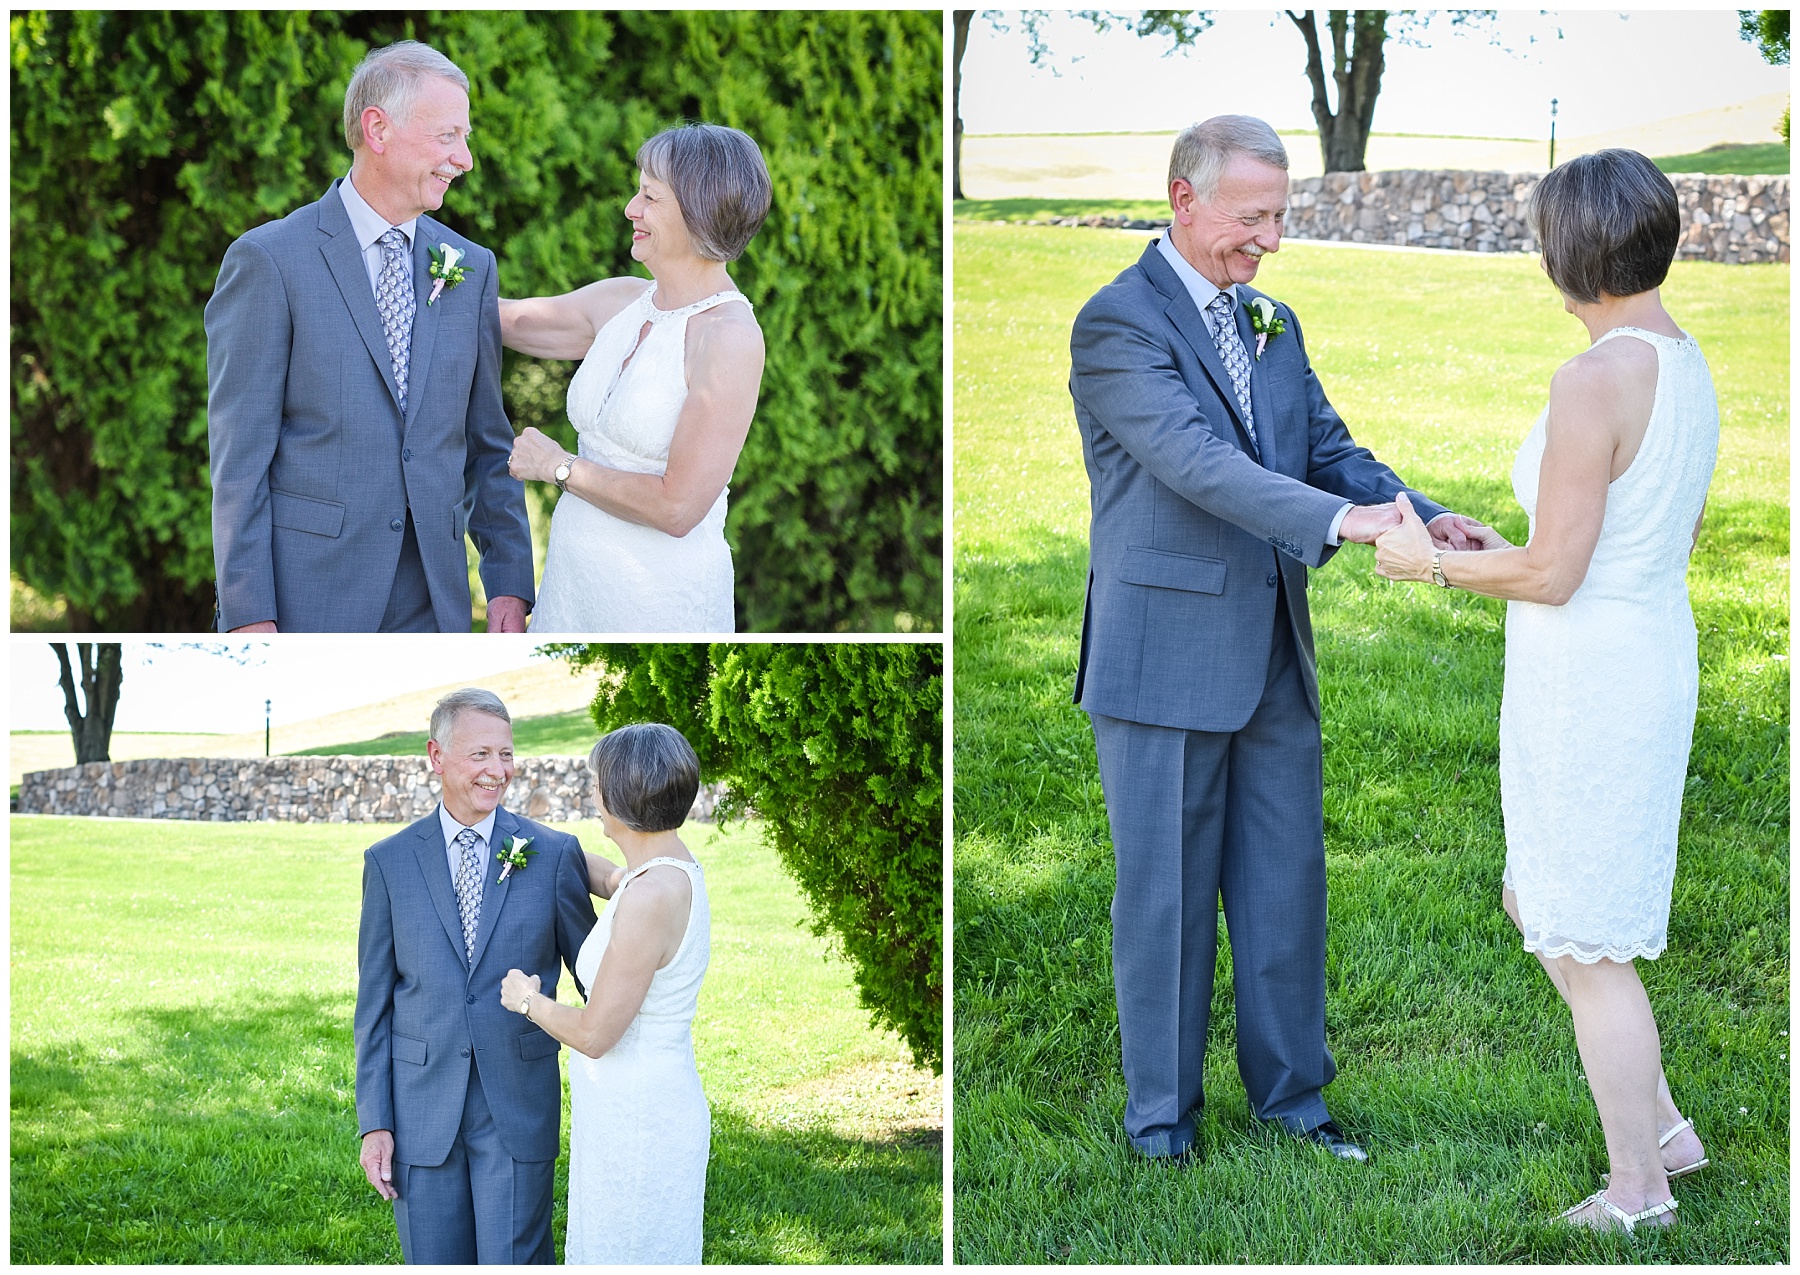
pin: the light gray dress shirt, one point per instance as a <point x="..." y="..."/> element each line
<point x="370" y="226"/>
<point x="484" y="832"/>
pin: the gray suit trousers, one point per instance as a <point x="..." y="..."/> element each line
<point x="480" y="1204"/>
<point x="1196" y="816"/>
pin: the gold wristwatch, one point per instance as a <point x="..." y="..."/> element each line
<point x="1437" y="571"/>
<point x="561" y="472"/>
<point x="525" y="1005"/>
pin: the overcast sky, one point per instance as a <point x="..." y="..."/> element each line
<point x="189" y="690"/>
<point x="1607" y="72"/>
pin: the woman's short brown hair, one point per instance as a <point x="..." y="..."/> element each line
<point x="647" y="776"/>
<point x="719" y="180"/>
<point x="1608" y="223"/>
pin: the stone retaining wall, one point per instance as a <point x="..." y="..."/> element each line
<point x="1727" y="219"/>
<point x="301" y="790"/>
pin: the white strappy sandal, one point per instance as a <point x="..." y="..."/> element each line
<point x="1664" y="1141"/>
<point x="1685" y="1169"/>
<point x="1618" y="1215"/>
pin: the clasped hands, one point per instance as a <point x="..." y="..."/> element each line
<point x="1404" y="544"/>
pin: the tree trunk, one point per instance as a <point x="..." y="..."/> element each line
<point x="1357" y="61"/>
<point x="101" y="674"/>
<point x="962" y="19"/>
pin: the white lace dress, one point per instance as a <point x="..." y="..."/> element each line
<point x="639" y="1126"/>
<point x="604" y="574"/>
<point x="1598" y="712"/>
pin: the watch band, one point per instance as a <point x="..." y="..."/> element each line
<point x="1437" y="571"/>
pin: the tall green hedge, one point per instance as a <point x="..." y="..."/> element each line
<point x="143" y="143"/>
<point x="838" y="748"/>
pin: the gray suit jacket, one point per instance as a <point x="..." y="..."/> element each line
<point x="313" y="466"/>
<point x="424" y="1011"/>
<point x="1193" y="529"/>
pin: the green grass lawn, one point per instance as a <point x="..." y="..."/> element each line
<point x="1753" y="158"/>
<point x="1457" y="1064"/>
<point x="183" y="1072"/>
<point x="569" y="734"/>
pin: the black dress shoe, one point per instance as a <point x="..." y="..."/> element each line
<point x="1332" y="1138"/>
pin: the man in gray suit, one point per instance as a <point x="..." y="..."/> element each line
<point x="459" y="1101"/>
<point x="353" y="398"/>
<point x="1219" y="474"/>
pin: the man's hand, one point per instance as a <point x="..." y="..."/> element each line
<point x="1365" y="522"/>
<point x="1462" y="533"/>
<point x="506" y="615"/>
<point x="378" y="1162"/>
<point x="261" y="626"/>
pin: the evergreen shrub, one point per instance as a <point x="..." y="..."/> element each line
<point x="837" y="748"/>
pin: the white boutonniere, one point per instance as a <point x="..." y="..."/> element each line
<point x="1264" y="322"/>
<point x="445" y="270"/>
<point x="514" y="855"/>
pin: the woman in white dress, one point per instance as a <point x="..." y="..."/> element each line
<point x="1601" y="669"/>
<point x="639" y="1126"/>
<point x="661" y="403"/>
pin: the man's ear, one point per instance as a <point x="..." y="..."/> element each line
<point x="1181" y="201"/>
<point x="376" y="128"/>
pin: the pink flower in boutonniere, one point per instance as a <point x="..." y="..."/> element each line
<point x="1264" y="322"/>
<point x="444" y="269"/>
<point x="514" y="855"/>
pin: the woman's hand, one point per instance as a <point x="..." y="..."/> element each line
<point x="603" y="875"/>
<point x="515" y="987"/>
<point x="1404" y="552"/>
<point x="535" y="456"/>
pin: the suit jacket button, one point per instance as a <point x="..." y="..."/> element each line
<point x="1273" y="579"/>
<point x="465" y="1051"/>
<point x="471" y="1000"/>
<point x="396" y="524"/>
<point x="406" y="454"/>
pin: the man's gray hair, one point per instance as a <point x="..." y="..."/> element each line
<point x="1202" y="151"/>
<point x="469" y="700"/>
<point x="389" y="77"/>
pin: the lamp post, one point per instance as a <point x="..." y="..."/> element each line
<point x="267" y="705"/>
<point x="1553" y="132"/>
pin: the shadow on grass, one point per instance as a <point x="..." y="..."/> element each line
<point x="231" y="1136"/>
<point x="815" y="1197"/>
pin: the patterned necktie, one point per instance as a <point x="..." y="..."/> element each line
<point x="395" y="302"/>
<point x="1231" y="349"/>
<point x="468" y="888"/>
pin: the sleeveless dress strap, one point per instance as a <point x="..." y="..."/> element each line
<point x="647" y="864"/>
<point x="1655" y="338"/>
<point x="688" y="311"/>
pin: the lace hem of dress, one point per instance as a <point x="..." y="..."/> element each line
<point x="1593" y="953"/>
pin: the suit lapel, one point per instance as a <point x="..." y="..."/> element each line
<point x="1260" y="408"/>
<point x="426" y="234"/>
<point x="434" y="863"/>
<point x="1192" y="325"/>
<point x="345" y="259"/>
<point x="494" y="890"/>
